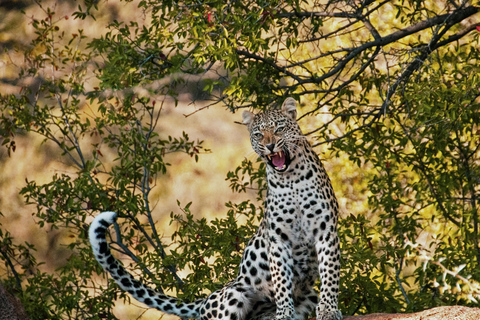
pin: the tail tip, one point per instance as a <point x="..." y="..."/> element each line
<point x="108" y="216"/>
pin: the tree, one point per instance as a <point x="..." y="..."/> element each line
<point x="394" y="83"/>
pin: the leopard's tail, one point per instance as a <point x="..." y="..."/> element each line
<point x="143" y="293"/>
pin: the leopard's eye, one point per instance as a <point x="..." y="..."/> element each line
<point x="280" y="129"/>
<point x="257" y="135"/>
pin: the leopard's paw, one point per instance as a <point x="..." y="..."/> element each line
<point x="324" y="313"/>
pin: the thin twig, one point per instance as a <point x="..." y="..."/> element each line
<point x="12" y="267"/>
<point x="129" y="253"/>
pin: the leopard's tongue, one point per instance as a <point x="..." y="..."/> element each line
<point x="278" y="159"/>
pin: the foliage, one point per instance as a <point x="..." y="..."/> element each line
<point x="426" y="158"/>
<point x="396" y="85"/>
<point x="211" y="249"/>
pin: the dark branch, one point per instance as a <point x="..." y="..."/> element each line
<point x="12" y="267"/>
<point x="451" y="18"/>
<point x="309" y="14"/>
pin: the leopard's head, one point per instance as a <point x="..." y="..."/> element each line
<point x="274" y="134"/>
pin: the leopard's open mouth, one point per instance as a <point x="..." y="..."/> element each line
<point x="279" y="160"/>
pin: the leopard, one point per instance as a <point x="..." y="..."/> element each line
<point x="296" y="242"/>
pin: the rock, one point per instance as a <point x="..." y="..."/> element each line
<point x="10" y="306"/>
<point x="439" y="313"/>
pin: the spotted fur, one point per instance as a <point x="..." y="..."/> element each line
<point x="295" y="243"/>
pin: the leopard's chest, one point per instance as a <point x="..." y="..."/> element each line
<point x="297" y="203"/>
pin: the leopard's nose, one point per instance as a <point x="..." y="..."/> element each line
<point x="270" y="147"/>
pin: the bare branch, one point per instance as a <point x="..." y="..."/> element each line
<point x="12" y="267"/>
<point x="452" y="18"/>
<point x="322" y="14"/>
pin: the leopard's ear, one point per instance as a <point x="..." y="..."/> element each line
<point x="289" y="108"/>
<point x="247" y="117"/>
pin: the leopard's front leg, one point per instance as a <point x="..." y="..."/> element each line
<point x="281" y="269"/>
<point x="328" y="253"/>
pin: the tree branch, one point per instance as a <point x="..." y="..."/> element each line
<point x="452" y="18"/>
<point x="12" y="267"/>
